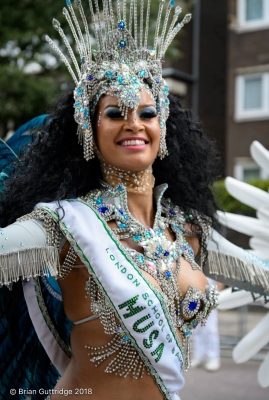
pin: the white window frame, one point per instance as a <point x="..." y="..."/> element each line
<point x="242" y="114"/>
<point x="245" y="25"/>
<point x="244" y="163"/>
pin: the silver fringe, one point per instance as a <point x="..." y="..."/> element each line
<point x="247" y="274"/>
<point x="29" y="263"/>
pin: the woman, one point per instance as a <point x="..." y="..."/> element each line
<point x="130" y="260"/>
<point x="184" y="187"/>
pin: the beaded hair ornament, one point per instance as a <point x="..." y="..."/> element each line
<point x="121" y="63"/>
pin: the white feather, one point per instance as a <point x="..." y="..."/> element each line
<point x="263" y="373"/>
<point x="247" y="194"/>
<point x="247" y="225"/>
<point x="253" y="342"/>
<point x="229" y="299"/>
<point x="260" y="155"/>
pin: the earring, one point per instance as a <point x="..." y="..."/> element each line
<point x="163" y="151"/>
<point x="88" y="145"/>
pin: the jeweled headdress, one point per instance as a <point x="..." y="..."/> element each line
<point x="117" y="59"/>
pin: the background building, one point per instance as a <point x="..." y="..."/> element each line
<point x="248" y="84"/>
<point x="226" y="62"/>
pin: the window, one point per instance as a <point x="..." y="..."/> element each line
<point x="246" y="169"/>
<point x="252" y="97"/>
<point x="254" y="10"/>
<point x="253" y="14"/>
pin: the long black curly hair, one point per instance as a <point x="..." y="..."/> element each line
<point x="53" y="167"/>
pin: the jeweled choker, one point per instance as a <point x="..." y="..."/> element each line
<point x="135" y="182"/>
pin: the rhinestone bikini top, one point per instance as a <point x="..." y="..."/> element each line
<point x="159" y="256"/>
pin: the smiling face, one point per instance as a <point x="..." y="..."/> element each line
<point x="130" y="144"/>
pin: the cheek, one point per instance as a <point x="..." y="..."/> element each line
<point x="103" y="134"/>
<point x="156" y="132"/>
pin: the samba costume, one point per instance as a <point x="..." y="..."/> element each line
<point x="142" y="320"/>
<point x="149" y="326"/>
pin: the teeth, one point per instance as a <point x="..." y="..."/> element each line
<point x="133" y="142"/>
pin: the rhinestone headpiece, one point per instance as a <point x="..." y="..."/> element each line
<point x="121" y="63"/>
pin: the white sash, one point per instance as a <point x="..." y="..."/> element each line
<point x="137" y="304"/>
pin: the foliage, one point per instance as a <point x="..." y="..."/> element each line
<point x="25" y="95"/>
<point x="227" y="203"/>
<point x="22" y="28"/>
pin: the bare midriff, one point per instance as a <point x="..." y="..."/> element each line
<point x="82" y="378"/>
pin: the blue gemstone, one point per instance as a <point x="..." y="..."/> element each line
<point x="120" y="79"/>
<point x="103" y="209"/>
<point x="167" y="274"/>
<point x="166" y="253"/>
<point x="137" y="238"/>
<point x="172" y="3"/>
<point x="194" y="323"/>
<point x="122" y="44"/>
<point x="142" y="73"/>
<point x="134" y="80"/>
<point x="86" y="125"/>
<point x="166" y="90"/>
<point x="109" y="74"/>
<point x="122" y="225"/>
<point x="99" y="200"/>
<point x="125" y="338"/>
<point x="192" y="305"/>
<point x="159" y="249"/>
<point x="187" y="332"/>
<point x="86" y="112"/>
<point x="79" y="91"/>
<point x="68" y="3"/>
<point x="120" y="188"/>
<point x="140" y="258"/>
<point x="77" y="104"/>
<point x="121" y="25"/>
<point x="90" y="77"/>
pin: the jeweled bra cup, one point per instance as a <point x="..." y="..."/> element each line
<point x="124" y="359"/>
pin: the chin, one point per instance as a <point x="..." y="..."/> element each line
<point x="134" y="164"/>
<point x="134" y="167"/>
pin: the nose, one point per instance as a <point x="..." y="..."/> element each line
<point x="133" y="122"/>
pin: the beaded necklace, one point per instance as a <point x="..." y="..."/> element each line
<point x="159" y="253"/>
